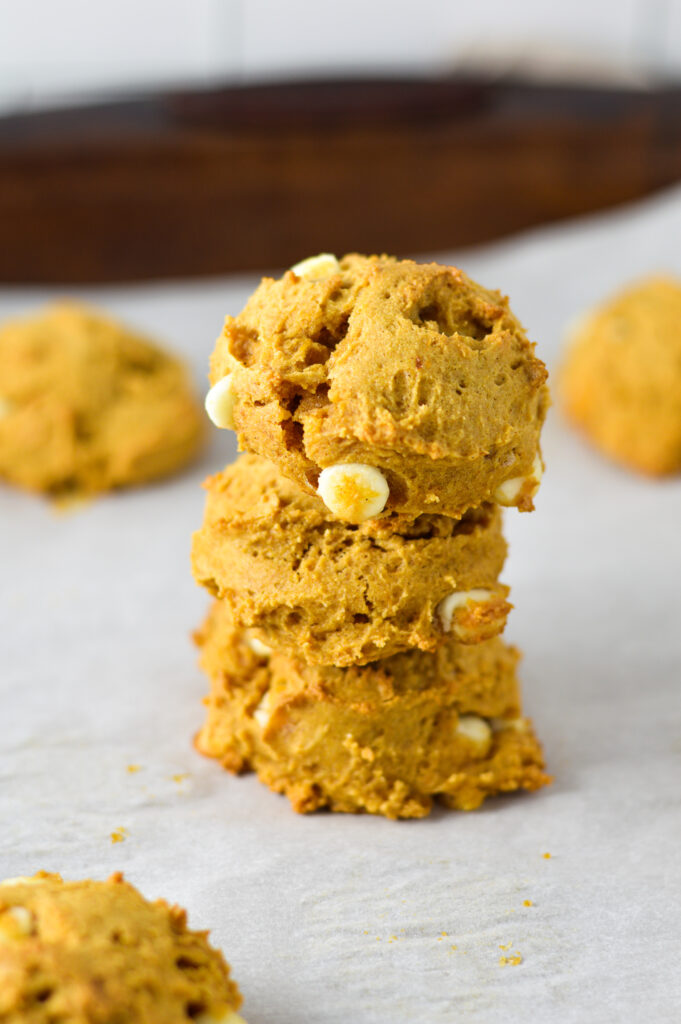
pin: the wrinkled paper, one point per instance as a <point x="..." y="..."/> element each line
<point x="332" y="919"/>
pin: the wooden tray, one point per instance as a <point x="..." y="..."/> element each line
<point x="195" y="183"/>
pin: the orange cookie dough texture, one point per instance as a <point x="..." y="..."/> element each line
<point x="339" y="594"/>
<point x="86" y="406"/>
<point x="93" y="952"/>
<point x="387" y="738"/>
<point x="621" y="382"/>
<point x="386" y="384"/>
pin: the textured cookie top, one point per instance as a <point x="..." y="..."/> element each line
<point x="621" y="381"/>
<point x="339" y="593"/>
<point x="410" y="369"/>
<point x="85" y="405"/>
<point x="86" y="952"/>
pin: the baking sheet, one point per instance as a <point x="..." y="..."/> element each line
<point x="330" y="918"/>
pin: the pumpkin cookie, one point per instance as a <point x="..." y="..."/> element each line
<point x="88" y="952"/>
<point x="341" y="594"/>
<point x="621" y="381"/>
<point x="385" y="738"/>
<point x="384" y="385"/>
<point x="85" y="405"/>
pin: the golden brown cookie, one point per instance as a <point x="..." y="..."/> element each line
<point x="85" y="405"/>
<point x="385" y="738"/>
<point x="621" y="382"/>
<point x="339" y="594"/>
<point x="384" y="384"/>
<point x="94" y="952"/>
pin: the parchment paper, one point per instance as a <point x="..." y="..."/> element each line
<point x="329" y="919"/>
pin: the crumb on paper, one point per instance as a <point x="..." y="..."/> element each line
<point x="132" y="768"/>
<point x="528" y="903"/>
<point x="119" y="835"/>
<point x="179" y="777"/>
<point x="546" y="856"/>
<point x="512" y="961"/>
<point x="507" y="946"/>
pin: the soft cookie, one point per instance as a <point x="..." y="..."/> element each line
<point x="621" y="381"/>
<point x="387" y="738"/>
<point x="92" y="952"/>
<point x="384" y="385"/>
<point x="85" y="405"/>
<point x="306" y="582"/>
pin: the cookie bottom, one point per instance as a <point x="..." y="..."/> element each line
<point x="387" y="738"/>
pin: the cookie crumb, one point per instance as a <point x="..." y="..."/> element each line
<point x="546" y="856"/>
<point x="513" y="961"/>
<point x="528" y="903"/>
<point x="133" y="768"/>
<point x="119" y="835"/>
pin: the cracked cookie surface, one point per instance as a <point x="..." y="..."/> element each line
<point x="90" y="952"/>
<point x="306" y="582"/>
<point x="388" y="738"/>
<point x="410" y="369"/>
<point x="86" y="405"/>
<point x="621" y="380"/>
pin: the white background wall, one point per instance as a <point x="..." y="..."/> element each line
<point x="55" y="50"/>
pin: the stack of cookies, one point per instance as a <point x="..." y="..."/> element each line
<point x="389" y="409"/>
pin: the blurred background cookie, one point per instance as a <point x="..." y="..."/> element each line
<point x="86" y="405"/>
<point x="337" y="593"/>
<point x="384" y="384"/>
<point x="87" y="952"/>
<point x="621" y="379"/>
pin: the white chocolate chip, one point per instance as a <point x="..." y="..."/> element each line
<point x="15" y="923"/>
<point x="220" y="403"/>
<point x="475" y="729"/>
<point x="262" y="713"/>
<point x="506" y="724"/>
<point x="353" y="491"/>
<point x="459" y="598"/>
<point x="316" y="268"/>
<point x="258" y="647"/>
<point x="507" y="492"/>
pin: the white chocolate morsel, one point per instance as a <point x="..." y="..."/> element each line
<point x="258" y="647"/>
<point x="475" y="729"/>
<point x="262" y="713"/>
<point x="316" y="268"/>
<point x="508" y="492"/>
<point x="504" y="724"/>
<point x="227" y="1018"/>
<point x="353" y="491"/>
<point x="458" y="599"/>
<point x="220" y="403"/>
<point x="15" y="923"/>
